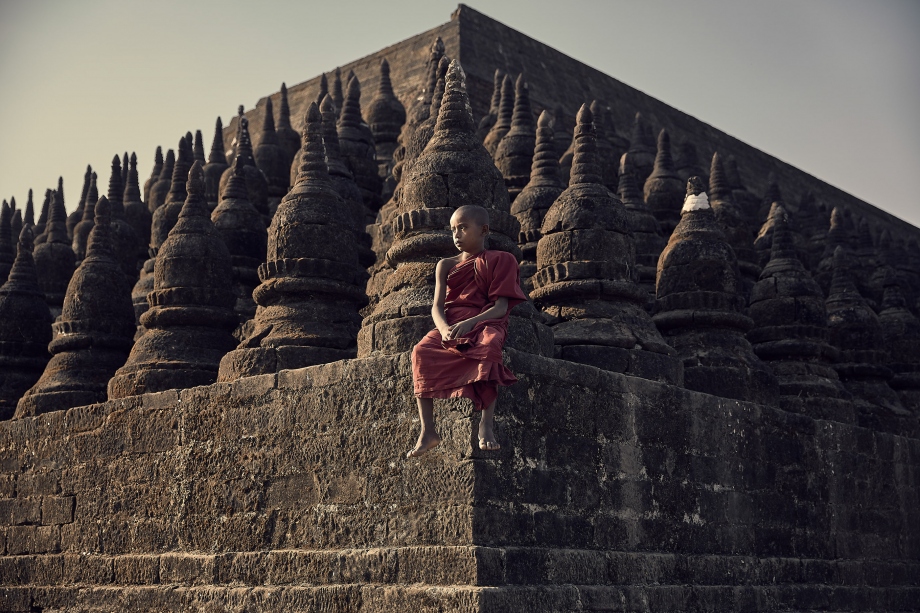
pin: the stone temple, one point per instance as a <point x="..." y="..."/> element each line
<point x="719" y="375"/>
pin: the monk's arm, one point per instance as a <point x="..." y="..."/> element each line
<point x="440" y="292"/>
<point x="496" y="311"/>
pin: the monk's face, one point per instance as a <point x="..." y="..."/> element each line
<point x="469" y="234"/>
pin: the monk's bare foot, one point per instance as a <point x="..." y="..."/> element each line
<point x="489" y="445"/>
<point x="426" y="442"/>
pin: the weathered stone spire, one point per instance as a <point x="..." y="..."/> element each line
<point x="356" y="143"/>
<point x="585" y="262"/>
<point x="74" y="218"/>
<point x="732" y="221"/>
<point x="198" y="149"/>
<point x="81" y="230"/>
<point x="43" y="217"/>
<point x="136" y="212"/>
<point x="270" y="158"/>
<point x="7" y="254"/>
<point x="217" y="164"/>
<point x="337" y="91"/>
<point x="288" y="139"/>
<point x="93" y="337"/>
<point x="771" y="195"/>
<point x="242" y="229"/>
<point x="344" y="183"/>
<point x="232" y="152"/>
<point x="311" y="282"/>
<point x="160" y="189"/>
<point x="25" y="328"/>
<point x="256" y="182"/>
<point x="701" y="309"/>
<point x="486" y="123"/>
<point x="30" y="212"/>
<point x="862" y="365"/>
<point x="16" y="229"/>
<point x="608" y="158"/>
<point x="453" y="156"/>
<point x="663" y="190"/>
<point x="386" y="116"/>
<point x="514" y="154"/>
<point x="126" y="243"/>
<point x="836" y="237"/>
<point x="54" y="259"/>
<point x="642" y="151"/>
<point x="503" y="120"/>
<point x="538" y="195"/>
<point x="646" y="232"/>
<point x="323" y="89"/>
<point x="561" y="137"/>
<point x="154" y="175"/>
<point x="790" y="333"/>
<point x="187" y="328"/>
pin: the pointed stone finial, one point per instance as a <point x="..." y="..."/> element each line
<point x="43" y="217"/>
<point x="116" y="191"/>
<point x="646" y="231"/>
<point x="504" y="117"/>
<point x="54" y="258"/>
<point x="587" y="244"/>
<point x="337" y="93"/>
<point x="700" y="309"/>
<point x="235" y="143"/>
<point x="94" y="333"/>
<point x="514" y="154"/>
<point x="455" y="157"/>
<point x="270" y="157"/>
<point x="288" y="139"/>
<point x="486" y="123"/>
<point x="862" y="365"/>
<point x="323" y="88"/>
<point x="16" y="228"/>
<point x="245" y="235"/>
<point x="25" y="327"/>
<point x="663" y="189"/>
<point x="82" y="230"/>
<point x="793" y="341"/>
<point x="732" y="220"/>
<point x="124" y="169"/>
<point x="198" y="148"/>
<point x="217" y="164"/>
<point x="154" y="175"/>
<point x="30" y="211"/>
<point x="386" y="116"/>
<point x="356" y="143"/>
<point x="837" y="236"/>
<point x="188" y="325"/>
<point x="165" y="217"/>
<point x="7" y="253"/>
<point x="160" y="189"/>
<point x="608" y="159"/>
<point x="642" y="151"/>
<point x="256" y="181"/>
<point x="538" y="195"/>
<point x="310" y="246"/>
<point x="773" y="194"/>
<point x="137" y="214"/>
<point x="74" y="218"/>
<point x="127" y="243"/>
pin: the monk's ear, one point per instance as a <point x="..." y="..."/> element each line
<point x="485" y="228"/>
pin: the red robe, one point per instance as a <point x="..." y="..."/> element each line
<point x="470" y="367"/>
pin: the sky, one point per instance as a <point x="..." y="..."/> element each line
<point x="829" y="86"/>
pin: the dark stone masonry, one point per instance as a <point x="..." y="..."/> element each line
<point x="206" y="385"/>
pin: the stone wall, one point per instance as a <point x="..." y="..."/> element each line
<point x="290" y="492"/>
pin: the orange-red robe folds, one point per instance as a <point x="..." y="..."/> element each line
<point x="470" y="367"/>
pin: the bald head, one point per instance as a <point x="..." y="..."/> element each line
<point x="473" y="213"/>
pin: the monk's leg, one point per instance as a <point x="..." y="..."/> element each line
<point x="487" y="428"/>
<point x="428" y="438"/>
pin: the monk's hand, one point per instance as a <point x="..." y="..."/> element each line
<point x="460" y="329"/>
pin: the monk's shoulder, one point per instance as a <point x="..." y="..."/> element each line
<point x="501" y="257"/>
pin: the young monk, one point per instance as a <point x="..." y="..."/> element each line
<point x="462" y="357"/>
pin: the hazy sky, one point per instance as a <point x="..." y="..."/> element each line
<point x="830" y="86"/>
